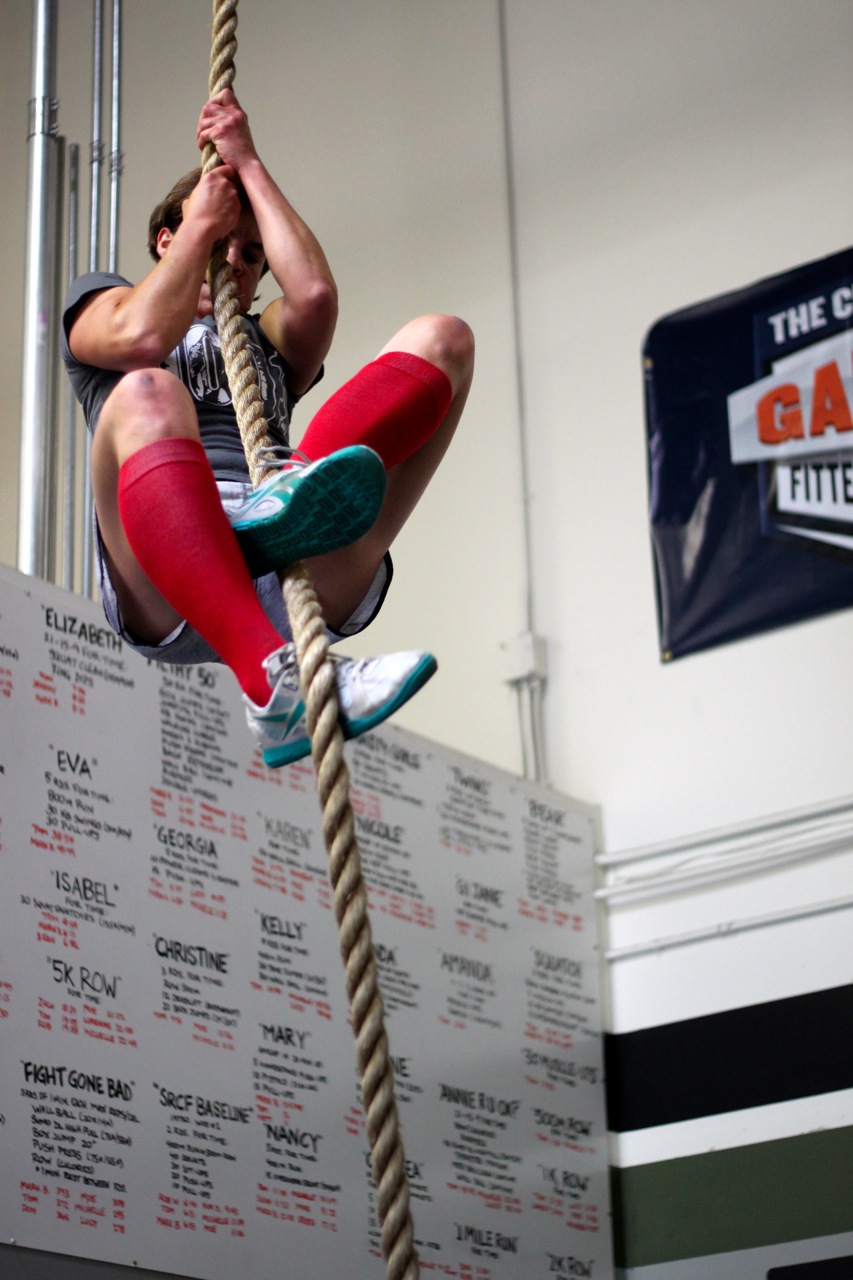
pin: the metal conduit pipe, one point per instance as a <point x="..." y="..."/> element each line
<point x="51" y="504"/>
<point x="70" y="468"/>
<point x="723" y="835"/>
<point x="633" y="950"/>
<point x="528" y="678"/>
<point x="97" y="159"/>
<point x="116" y="156"/>
<point x="39" y="382"/>
<point x="735" y="869"/>
<point x="97" y="145"/>
<point x="760" y="847"/>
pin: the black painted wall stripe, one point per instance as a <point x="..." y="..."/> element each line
<point x="824" y="1269"/>
<point x="730" y="1061"/>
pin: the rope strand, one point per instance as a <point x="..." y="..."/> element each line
<point x="319" y="691"/>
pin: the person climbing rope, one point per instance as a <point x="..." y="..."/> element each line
<point x="189" y="557"/>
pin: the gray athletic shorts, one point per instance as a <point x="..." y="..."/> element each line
<point x="185" y="646"/>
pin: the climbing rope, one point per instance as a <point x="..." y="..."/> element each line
<point x="319" y="692"/>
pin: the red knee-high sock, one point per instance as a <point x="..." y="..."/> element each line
<point x="171" y="512"/>
<point x="393" y="405"/>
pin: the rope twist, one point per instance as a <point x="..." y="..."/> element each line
<point x="319" y="692"/>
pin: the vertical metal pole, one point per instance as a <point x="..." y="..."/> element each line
<point x="115" y="138"/>
<point x="531" y="701"/>
<point x="39" y="295"/>
<point x="97" y="142"/>
<point x="94" y="253"/>
<point x="70" y="469"/>
<point x="52" y="439"/>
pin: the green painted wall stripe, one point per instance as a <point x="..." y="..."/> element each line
<point x="744" y="1198"/>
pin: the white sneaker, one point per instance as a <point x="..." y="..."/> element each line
<point x="369" y="691"/>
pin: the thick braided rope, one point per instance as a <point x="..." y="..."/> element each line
<point x="319" y="690"/>
<point x="350" y="899"/>
<point x="242" y="377"/>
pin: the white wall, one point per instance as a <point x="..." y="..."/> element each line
<point x="664" y="152"/>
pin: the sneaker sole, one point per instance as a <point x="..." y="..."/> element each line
<point x="278" y="757"/>
<point x="337" y="504"/>
<point x="289" y="753"/>
<point x="415" y="680"/>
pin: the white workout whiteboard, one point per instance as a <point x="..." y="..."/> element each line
<point x="177" y="1080"/>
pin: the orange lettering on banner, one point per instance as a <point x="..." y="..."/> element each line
<point x="787" y="424"/>
<point x="829" y="403"/>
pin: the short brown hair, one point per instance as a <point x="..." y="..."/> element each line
<point x="169" y="213"/>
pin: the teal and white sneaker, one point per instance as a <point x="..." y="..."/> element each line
<point x="310" y="508"/>
<point x="369" y="691"/>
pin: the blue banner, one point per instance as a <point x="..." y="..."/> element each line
<point x="749" y="419"/>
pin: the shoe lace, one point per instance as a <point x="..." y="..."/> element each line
<point x="272" y="457"/>
<point x="282" y="662"/>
